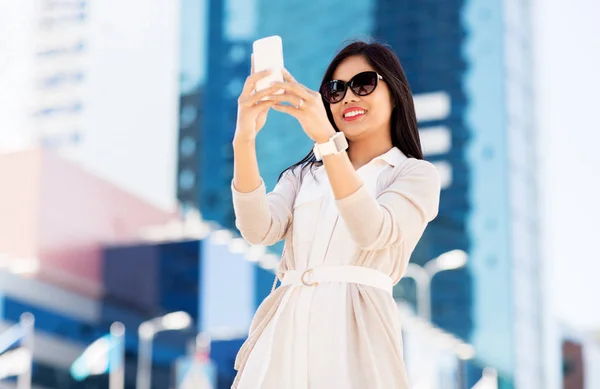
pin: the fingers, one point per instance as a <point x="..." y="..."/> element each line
<point x="261" y="107"/>
<point x="257" y="97"/>
<point x="264" y="106"/>
<point x="287" y="98"/>
<point x="295" y="93"/>
<point x="251" y="81"/>
<point x="287" y="109"/>
<point x="287" y="76"/>
<point x="296" y="89"/>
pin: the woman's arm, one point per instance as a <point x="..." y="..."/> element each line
<point x="261" y="218"/>
<point x="400" y="211"/>
<point x="246" y="176"/>
<point x="342" y="175"/>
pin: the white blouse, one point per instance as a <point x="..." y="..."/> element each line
<point x="335" y="334"/>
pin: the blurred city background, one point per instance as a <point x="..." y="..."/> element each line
<point x="120" y="265"/>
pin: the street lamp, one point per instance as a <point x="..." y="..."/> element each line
<point x="422" y="276"/>
<point x="146" y="331"/>
<point x="116" y="378"/>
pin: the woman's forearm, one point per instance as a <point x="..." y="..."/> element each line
<point x="262" y="219"/>
<point x="343" y="178"/>
<point x="246" y="176"/>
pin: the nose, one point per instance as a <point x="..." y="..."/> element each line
<point x="350" y="97"/>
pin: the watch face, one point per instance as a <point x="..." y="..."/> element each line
<point x="335" y="145"/>
<point x="327" y="148"/>
<point x="341" y="144"/>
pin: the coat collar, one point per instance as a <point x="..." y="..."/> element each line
<point x="392" y="157"/>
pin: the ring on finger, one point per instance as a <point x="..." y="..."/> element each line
<point x="300" y="104"/>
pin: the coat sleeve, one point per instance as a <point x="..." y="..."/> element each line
<point x="263" y="219"/>
<point x="400" y="212"/>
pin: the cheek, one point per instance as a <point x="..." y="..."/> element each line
<point x="383" y="109"/>
<point x="336" y="117"/>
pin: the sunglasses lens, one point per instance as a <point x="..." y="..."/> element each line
<point x="334" y="91"/>
<point x="364" y="83"/>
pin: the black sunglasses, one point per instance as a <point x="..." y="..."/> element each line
<point x="362" y="84"/>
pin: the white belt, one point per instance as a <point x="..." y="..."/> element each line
<point x="347" y="274"/>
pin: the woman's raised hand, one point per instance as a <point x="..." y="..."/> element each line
<point x="252" y="110"/>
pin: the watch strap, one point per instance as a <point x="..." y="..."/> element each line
<point x="335" y="145"/>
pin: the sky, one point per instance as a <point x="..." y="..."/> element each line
<point x="128" y="124"/>
<point x="567" y="63"/>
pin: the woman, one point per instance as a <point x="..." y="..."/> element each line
<point x="350" y="223"/>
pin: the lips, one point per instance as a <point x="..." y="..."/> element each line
<point x="353" y="113"/>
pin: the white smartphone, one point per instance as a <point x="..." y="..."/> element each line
<point x="268" y="55"/>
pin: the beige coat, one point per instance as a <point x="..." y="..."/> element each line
<point x="335" y="335"/>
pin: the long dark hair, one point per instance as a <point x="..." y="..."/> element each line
<point x="404" y="131"/>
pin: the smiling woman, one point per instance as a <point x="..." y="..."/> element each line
<point x="394" y="118"/>
<point x="349" y="227"/>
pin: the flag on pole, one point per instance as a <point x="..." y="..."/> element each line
<point x="489" y="380"/>
<point x="14" y="362"/>
<point x="100" y="357"/>
<point x="11" y="336"/>
<point x="197" y="372"/>
<point x="94" y="359"/>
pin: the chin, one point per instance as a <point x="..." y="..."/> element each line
<point x="354" y="133"/>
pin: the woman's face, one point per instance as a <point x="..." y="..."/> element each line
<point x="360" y="116"/>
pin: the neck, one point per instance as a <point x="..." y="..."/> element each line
<point x="362" y="151"/>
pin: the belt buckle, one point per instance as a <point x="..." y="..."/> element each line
<point x="303" y="278"/>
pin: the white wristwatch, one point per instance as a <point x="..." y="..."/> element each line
<point x="335" y="145"/>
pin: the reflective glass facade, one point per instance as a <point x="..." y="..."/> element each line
<point x="428" y="38"/>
